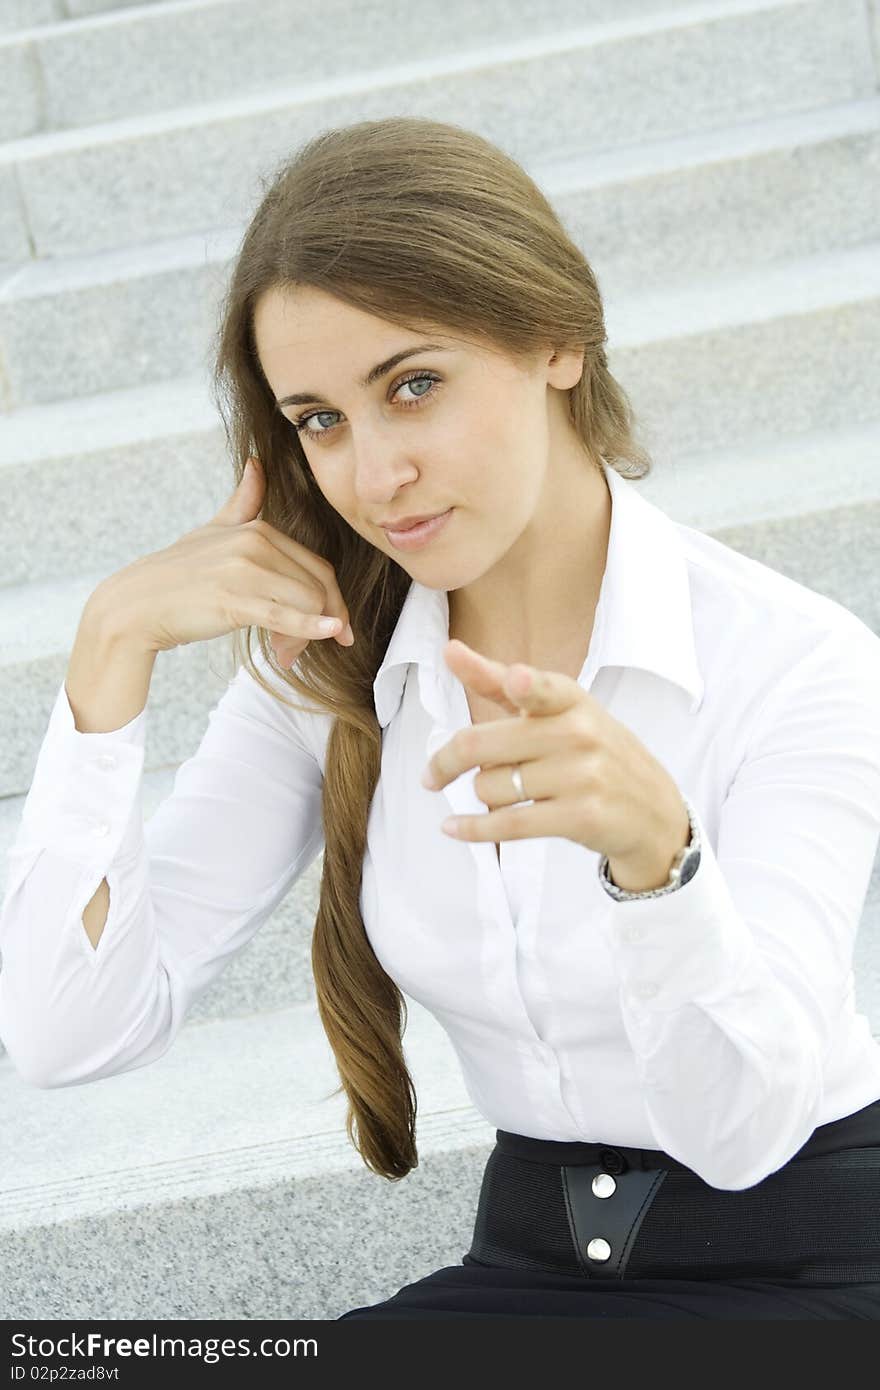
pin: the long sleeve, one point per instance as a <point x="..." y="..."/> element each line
<point x="731" y="985"/>
<point x="188" y="889"/>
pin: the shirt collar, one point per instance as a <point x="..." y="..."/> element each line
<point x="643" y="618"/>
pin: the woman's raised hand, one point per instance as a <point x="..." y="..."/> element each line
<point x="231" y="573"/>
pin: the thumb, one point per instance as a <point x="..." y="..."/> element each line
<point x="247" y="498"/>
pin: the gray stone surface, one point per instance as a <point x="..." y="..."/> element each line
<point x="185" y="170"/>
<point x="310" y="1248"/>
<point x="133" y="489"/>
<point x="866" y="956"/>
<point x="696" y="384"/>
<point x="786" y="188"/>
<point x="225" y="1166"/>
<point x="15" y="247"/>
<point x="720" y="201"/>
<point x="85" y="9"/>
<point x="109" y="322"/>
<point x="21" y="97"/>
<point x="25" y="14"/>
<point x="17" y="16"/>
<point x="250" y="45"/>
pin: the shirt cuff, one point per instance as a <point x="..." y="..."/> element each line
<point x="688" y="946"/>
<point x="84" y="790"/>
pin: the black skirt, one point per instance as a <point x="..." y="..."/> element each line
<point x="604" y="1231"/>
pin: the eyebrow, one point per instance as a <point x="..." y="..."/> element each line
<point x="380" y="370"/>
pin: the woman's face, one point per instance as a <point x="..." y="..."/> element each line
<point x="472" y="433"/>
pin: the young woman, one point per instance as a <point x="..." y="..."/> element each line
<point x="663" y="758"/>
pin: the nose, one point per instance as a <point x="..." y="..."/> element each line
<point x="381" y="466"/>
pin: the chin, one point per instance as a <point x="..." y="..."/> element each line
<point x="459" y="578"/>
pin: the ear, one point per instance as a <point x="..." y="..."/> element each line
<point x="565" y="368"/>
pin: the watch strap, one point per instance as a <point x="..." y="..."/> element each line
<point x="682" y="870"/>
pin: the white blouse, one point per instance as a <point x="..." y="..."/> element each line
<point x="717" y="1023"/>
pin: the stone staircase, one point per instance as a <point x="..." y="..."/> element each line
<point x="718" y="161"/>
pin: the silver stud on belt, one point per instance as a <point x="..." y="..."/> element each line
<point x="604" y="1185"/>
<point x="633" y="1190"/>
<point x="598" y="1249"/>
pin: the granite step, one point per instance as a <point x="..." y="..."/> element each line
<point x="652" y="76"/>
<point x="17" y="16"/>
<point x="644" y="216"/>
<point x="218" y="1182"/>
<point x="69" y="74"/>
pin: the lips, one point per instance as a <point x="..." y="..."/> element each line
<point x="408" y="522"/>
<point x="419" y="535"/>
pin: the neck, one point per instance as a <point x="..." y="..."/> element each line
<point x="537" y="604"/>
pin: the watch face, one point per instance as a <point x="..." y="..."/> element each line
<point x="690" y="865"/>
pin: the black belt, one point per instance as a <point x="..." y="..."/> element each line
<point x="607" y="1191"/>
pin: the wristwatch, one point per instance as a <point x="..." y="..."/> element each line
<point x="684" y="866"/>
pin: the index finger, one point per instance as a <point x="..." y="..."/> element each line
<point x="480" y="673"/>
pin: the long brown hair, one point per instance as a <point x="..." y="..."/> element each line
<point x="404" y="218"/>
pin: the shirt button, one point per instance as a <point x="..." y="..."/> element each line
<point x="106" y="760"/>
<point x="647" y="990"/>
<point x="101" y="828"/>
<point x="633" y="933"/>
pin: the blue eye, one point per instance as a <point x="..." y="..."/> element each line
<point x="302" y="427"/>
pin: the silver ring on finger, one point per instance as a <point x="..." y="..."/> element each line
<point x="516" y="777"/>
